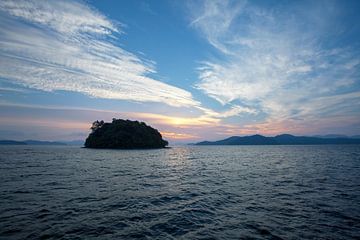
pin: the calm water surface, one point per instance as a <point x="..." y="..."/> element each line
<point x="214" y="192"/>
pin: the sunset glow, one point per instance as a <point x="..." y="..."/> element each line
<point x="222" y="68"/>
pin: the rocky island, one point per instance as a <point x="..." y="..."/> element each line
<point x="124" y="134"/>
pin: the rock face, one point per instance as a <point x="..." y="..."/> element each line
<point x="124" y="134"/>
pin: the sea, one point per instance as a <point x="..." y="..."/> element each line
<point x="182" y="192"/>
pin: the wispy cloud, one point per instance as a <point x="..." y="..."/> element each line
<point x="10" y="89"/>
<point x="67" y="45"/>
<point x="279" y="68"/>
<point x="288" y="63"/>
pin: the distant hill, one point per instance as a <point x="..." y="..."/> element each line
<point x="29" y="142"/>
<point x="36" y="142"/>
<point x="336" y="136"/>
<point x="331" y="136"/>
<point x="284" y="139"/>
<point x="11" y="142"/>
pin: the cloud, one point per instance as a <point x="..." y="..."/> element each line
<point x="178" y="136"/>
<point x="10" y="89"/>
<point x="67" y="45"/>
<point x="67" y="17"/>
<point x="280" y="68"/>
<point x="283" y="61"/>
<point x="215" y="19"/>
<point x="234" y="110"/>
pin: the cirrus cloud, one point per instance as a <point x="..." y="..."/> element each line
<point x="289" y="63"/>
<point x="67" y="45"/>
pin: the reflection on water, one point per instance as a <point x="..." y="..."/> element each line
<point x="204" y="192"/>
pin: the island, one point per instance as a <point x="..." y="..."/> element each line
<point x="124" y="134"/>
<point x="283" y="139"/>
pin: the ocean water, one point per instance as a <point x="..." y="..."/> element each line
<point x="190" y="192"/>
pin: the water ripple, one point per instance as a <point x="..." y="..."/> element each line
<point x="227" y="192"/>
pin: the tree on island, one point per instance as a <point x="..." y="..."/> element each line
<point x="124" y="134"/>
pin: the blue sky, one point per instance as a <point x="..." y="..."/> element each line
<point x="193" y="69"/>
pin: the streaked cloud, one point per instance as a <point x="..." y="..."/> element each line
<point x="289" y="64"/>
<point x="67" y="45"/>
<point x="10" y="89"/>
<point x="179" y="136"/>
<point x="264" y="68"/>
<point x="67" y="17"/>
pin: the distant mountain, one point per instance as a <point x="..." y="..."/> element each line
<point x="29" y="142"/>
<point x="337" y="136"/>
<point x="284" y="139"/>
<point x="11" y="142"/>
<point x="331" y="136"/>
<point x="247" y="140"/>
<point x="37" y="142"/>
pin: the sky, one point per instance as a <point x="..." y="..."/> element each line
<point x="194" y="70"/>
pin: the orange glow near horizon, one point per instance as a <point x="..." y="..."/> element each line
<point x="177" y="121"/>
<point x="203" y="127"/>
<point x="178" y="136"/>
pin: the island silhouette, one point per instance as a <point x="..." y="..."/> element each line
<point x="124" y="134"/>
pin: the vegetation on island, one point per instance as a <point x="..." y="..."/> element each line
<point x="124" y="134"/>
